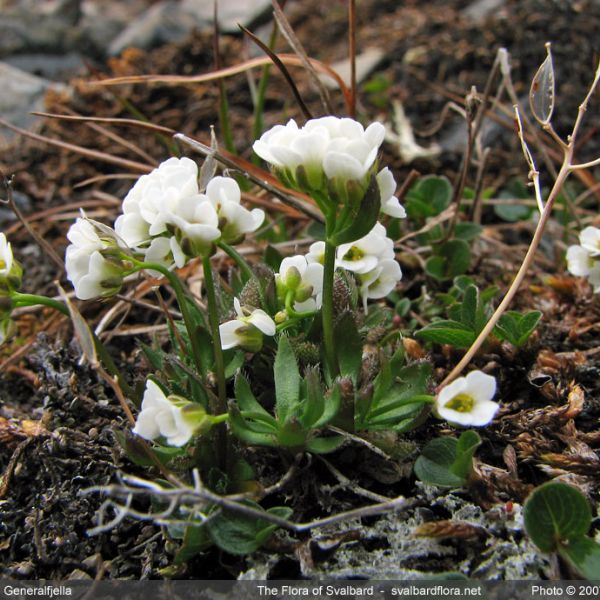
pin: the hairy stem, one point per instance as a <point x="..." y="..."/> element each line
<point x="238" y="259"/>
<point x="327" y="309"/>
<point x="213" y="319"/>
<point x="182" y="300"/>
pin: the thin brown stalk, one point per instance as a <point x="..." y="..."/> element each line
<point x="352" y="55"/>
<point x="287" y="59"/>
<point x="282" y="68"/>
<point x="95" y="154"/>
<point x="294" y="42"/>
<point x="258" y="176"/>
<point x="42" y="243"/>
<point x="108" y="120"/>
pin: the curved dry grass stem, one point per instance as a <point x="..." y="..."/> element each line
<point x="286" y="59"/>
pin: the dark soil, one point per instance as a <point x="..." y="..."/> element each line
<point x="57" y="420"/>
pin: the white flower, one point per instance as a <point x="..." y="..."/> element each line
<point x="594" y="277"/>
<point x="390" y="205"/>
<point x="234" y="220"/>
<point x="330" y="146"/>
<point x="579" y="261"/>
<point x="161" y="417"/>
<point x="6" y="257"/>
<point x="363" y="255"/>
<point x="467" y="401"/>
<point x="584" y="260"/>
<point x="379" y="282"/>
<point x="304" y="279"/>
<point x="165" y="199"/>
<point x="316" y="253"/>
<point x="88" y="268"/>
<point x="247" y="330"/>
<point x="589" y="239"/>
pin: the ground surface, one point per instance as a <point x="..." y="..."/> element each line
<point x="57" y="420"/>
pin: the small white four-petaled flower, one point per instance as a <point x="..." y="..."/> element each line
<point x="467" y="401"/>
<point x="247" y="329"/>
<point x="584" y="260"/>
<point x="173" y="418"/>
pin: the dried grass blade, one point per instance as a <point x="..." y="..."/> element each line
<point x="282" y="68"/>
<point x="95" y="154"/>
<point x="294" y="42"/>
<point x="109" y="120"/>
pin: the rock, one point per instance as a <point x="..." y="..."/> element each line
<point x="162" y="23"/>
<point x="21" y="94"/>
<point x="480" y="9"/>
<point x="21" y="30"/>
<point x="78" y="575"/>
<point x="169" y="21"/>
<point x="57" y="67"/>
<point x="366" y="63"/>
<point x="231" y="12"/>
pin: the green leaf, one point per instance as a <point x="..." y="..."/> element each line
<point x="364" y="218"/>
<point x="447" y="332"/>
<point x="273" y="257"/>
<point x="244" y="396"/>
<point x="434" y="464"/>
<point x="349" y="347"/>
<point x="428" y="197"/>
<point x="287" y="380"/>
<point x="322" y="445"/>
<point x="517" y="328"/>
<point x="253" y="433"/>
<point x="468" y="442"/>
<point x="240" y="534"/>
<point x="195" y="540"/>
<point x="451" y="259"/>
<point x="514" y="212"/>
<point x="234" y="364"/>
<point x="467" y="231"/>
<point x="331" y="408"/>
<point x="555" y="514"/>
<point x="446" y="461"/>
<point x="584" y="555"/>
<point x="470" y="308"/>
<point x="314" y="401"/>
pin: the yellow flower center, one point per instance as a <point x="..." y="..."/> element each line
<point x="354" y="254"/>
<point x="461" y="403"/>
<point x="2" y="264"/>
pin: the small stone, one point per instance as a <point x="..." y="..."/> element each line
<point x="78" y="575"/>
<point x="366" y="63"/>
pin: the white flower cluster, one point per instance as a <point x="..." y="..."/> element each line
<point x="467" y="401"/>
<point x="172" y="418"/>
<point x="584" y="260"/>
<point x="166" y="220"/>
<point x="327" y="153"/>
<point x="371" y="259"/>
